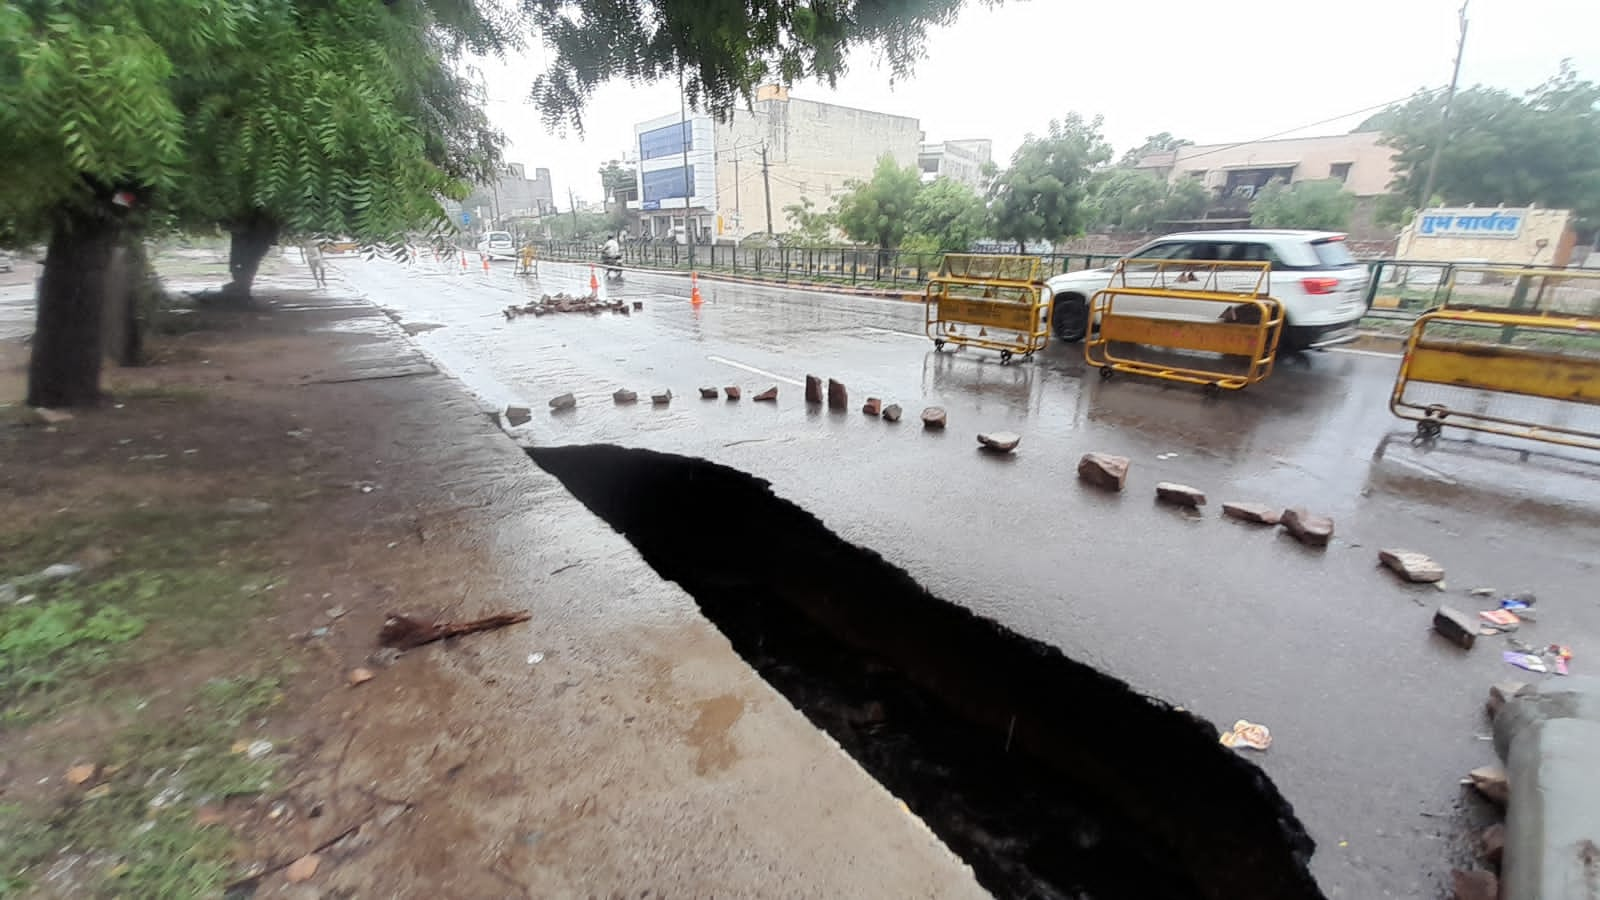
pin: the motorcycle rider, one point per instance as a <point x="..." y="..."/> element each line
<point x="611" y="256"/>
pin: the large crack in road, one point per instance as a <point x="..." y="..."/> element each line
<point x="1051" y="779"/>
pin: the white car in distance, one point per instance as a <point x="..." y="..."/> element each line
<point x="1322" y="287"/>
<point x="497" y="243"/>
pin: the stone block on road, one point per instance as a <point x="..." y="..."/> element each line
<point x="933" y="417"/>
<point x="661" y="398"/>
<point x="563" y="401"/>
<point x="1103" y="470"/>
<point x="873" y="406"/>
<point x="1492" y="782"/>
<point x="1456" y="626"/>
<point x="625" y="396"/>
<point x="709" y="393"/>
<point x="1411" y="565"/>
<point x="1308" y="528"/>
<point x="1501" y="693"/>
<point x="766" y="396"/>
<point x="1474" y="885"/>
<point x="1000" y="441"/>
<point x="1254" y="513"/>
<point x="1180" y="494"/>
<point x="838" y="397"/>
<point x="518" y="415"/>
<point x="731" y="392"/>
<point x="813" y="389"/>
<point x="892" y="412"/>
<point x="1492" y="843"/>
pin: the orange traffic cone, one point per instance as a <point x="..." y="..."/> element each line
<point x="485" y="262"/>
<point x="594" y="283"/>
<point x="463" y="260"/>
<point x="694" y="289"/>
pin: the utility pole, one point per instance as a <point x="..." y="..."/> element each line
<point x="766" y="185"/>
<point x="688" y="182"/>
<point x="1444" y="116"/>
<point x="495" y="187"/>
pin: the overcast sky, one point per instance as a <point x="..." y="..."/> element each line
<point x="1223" y="71"/>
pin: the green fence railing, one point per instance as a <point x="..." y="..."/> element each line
<point x="836" y="265"/>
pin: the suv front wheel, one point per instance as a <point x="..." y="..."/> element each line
<point x="1069" y="318"/>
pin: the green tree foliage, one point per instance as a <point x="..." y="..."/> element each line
<point x="1041" y="197"/>
<point x="1155" y="143"/>
<point x="1542" y="147"/>
<point x="350" y="119"/>
<point x="879" y="211"/>
<point x="947" y="216"/>
<point x="1323" y="205"/>
<point x="584" y="226"/>
<point x="1135" y="201"/>
<point x="322" y="115"/>
<point x="726" y="48"/>
<point x="808" y="226"/>
<point x="614" y="177"/>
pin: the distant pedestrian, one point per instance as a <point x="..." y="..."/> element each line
<point x="313" y="255"/>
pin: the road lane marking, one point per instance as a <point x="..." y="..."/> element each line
<point x="739" y="365"/>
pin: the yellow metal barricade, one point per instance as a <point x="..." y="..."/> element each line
<point x="1525" y="375"/>
<point x="995" y="302"/>
<point x="528" y="260"/>
<point x="1218" y="308"/>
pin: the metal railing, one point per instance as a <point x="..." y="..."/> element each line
<point x="827" y="265"/>
<point x="1396" y="289"/>
<point x="1404" y="289"/>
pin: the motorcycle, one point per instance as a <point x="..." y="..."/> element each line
<point x="612" y="266"/>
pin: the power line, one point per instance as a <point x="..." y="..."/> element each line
<point x="1280" y="134"/>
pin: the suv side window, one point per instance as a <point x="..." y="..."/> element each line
<point x="1256" y="253"/>
<point x="1168" y="250"/>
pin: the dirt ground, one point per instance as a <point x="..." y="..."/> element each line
<point x="178" y="718"/>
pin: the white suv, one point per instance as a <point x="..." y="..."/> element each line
<point x="496" y="242"/>
<point x="1321" y="286"/>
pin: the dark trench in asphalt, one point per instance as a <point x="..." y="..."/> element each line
<point x="1050" y="778"/>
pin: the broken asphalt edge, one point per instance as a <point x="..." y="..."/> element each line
<point x="1549" y="736"/>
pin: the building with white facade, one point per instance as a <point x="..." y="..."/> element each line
<point x="733" y="178"/>
<point x="962" y="161"/>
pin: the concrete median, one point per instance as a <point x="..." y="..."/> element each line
<point x="1549" y="736"/>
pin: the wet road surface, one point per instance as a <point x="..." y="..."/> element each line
<point x="1373" y="718"/>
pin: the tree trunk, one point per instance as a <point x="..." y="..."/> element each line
<point x="131" y="301"/>
<point x="251" y="240"/>
<point x="65" y="366"/>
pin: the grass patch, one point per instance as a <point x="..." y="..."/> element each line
<point x="134" y="833"/>
<point x="177" y="580"/>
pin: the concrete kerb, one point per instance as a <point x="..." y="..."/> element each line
<point x="789" y="797"/>
<point x="1549" y="736"/>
